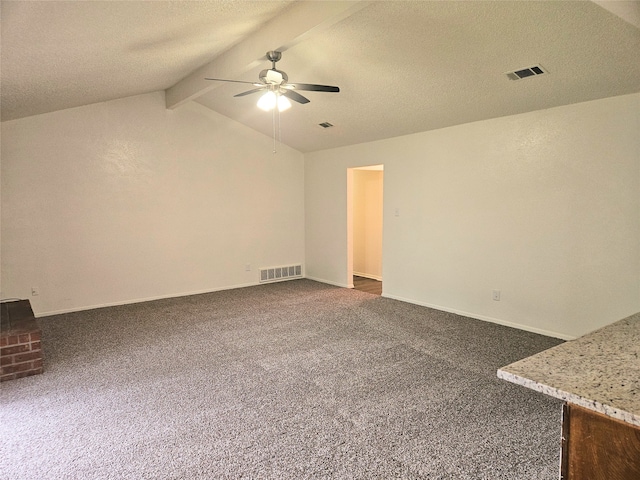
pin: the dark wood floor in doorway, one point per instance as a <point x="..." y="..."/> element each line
<point x="367" y="285"/>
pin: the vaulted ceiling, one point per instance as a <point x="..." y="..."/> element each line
<point x="402" y="66"/>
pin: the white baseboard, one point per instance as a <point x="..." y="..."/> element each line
<point x="519" y="326"/>
<point x="368" y="275"/>
<point x="141" y="300"/>
<point x="485" y="318"/>
<point x="335" y="284"/>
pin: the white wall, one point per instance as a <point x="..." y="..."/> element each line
<point x="367" y="223"/>
<point x="543" y="206"/>
<point x="124" y="201"/>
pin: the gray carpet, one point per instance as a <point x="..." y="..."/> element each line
<point x="284" y="381"/>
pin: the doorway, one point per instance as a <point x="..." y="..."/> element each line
<point x="364" y="231"/>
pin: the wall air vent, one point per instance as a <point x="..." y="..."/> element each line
<point x="326" y="124"/>
<point x="533" y="71"/>
<point x="278" y="274"/>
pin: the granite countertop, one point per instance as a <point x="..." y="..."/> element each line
<point x="599" y="371"/>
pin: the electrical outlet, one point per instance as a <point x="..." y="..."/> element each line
<point x="35" y="291"/>
<point x="496" y="295"/>
<point x="247" y="267"/>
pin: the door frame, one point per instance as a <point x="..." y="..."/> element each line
<point x="350" y="202"/>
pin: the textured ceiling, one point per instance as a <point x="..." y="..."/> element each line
<point x="402" y="66"/>
<point x="62" y="54"/>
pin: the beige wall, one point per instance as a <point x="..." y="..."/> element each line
<point x="367" y="223"/>
<point x="125" y="201"/>
<point x="542" y="206"/>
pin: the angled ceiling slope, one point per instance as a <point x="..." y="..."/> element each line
<point x="63" y="54"/>
<point x="407" y="67"/>
<point x="402" y="66"/>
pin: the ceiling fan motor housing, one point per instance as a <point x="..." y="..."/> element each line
<point x="273" y="77"/>
<point x="273" y="56"/>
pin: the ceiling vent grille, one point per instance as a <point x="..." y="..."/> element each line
<point x="326" y="124"/>
<point x="528" y="72"/>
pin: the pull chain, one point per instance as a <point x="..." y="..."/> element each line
<point x="279" y="127"/>
<point x="273" y="121"/>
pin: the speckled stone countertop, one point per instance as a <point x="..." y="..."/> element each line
<point x="599" y="371"/>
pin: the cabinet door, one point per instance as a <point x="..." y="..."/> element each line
<point x="598" y="447"/>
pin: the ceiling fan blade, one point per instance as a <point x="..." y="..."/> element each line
<point x="295" y="96"/>
<point x="248" y="92"/>
<point x="234" y="81"/>
<point x="314" y="88"/>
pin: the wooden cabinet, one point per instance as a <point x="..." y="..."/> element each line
<point x="598" y="447"/>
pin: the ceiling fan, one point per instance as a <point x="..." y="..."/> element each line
<point x="276" y="84"/>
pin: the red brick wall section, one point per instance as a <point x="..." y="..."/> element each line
<point x="20" y="355"/>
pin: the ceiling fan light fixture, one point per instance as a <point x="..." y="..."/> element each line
<point x="270" y="100"/>
<point x="283" y="103"/>
<point x="267" y="102"/>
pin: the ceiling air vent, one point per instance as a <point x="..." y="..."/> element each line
<point x="526" y="72"/>
<point x="326" y="124"/>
